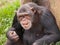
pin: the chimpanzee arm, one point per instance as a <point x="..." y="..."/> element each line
<point x="15" y="19"/>
<point x="12" y="35"/>
<point x="51" y="30"/>
<point x="18" y="28"/>
<point x="48" y="21"/>
<point x="15" y="27"/>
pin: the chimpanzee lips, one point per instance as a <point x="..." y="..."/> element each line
<point x="26" y="26"/>
<point x="25" y="23"/>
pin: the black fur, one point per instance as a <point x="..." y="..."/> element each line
<point x="43" y="30"/>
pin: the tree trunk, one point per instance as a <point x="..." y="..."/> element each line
<point x="55" y="8"/>
<point x="25" y="1"/>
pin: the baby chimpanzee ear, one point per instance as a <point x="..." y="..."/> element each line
<point x="39" y="12"/>
<point x="33" y="10"/>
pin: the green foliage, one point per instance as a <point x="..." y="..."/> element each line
<point x="7" y="9"/>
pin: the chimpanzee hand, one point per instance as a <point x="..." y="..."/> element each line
<point x="11" y="35"/>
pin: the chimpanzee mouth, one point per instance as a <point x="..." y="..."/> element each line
<point x="26" y="25"/>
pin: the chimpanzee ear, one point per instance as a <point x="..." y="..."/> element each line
<point x="33" y="10"/>
<point x="39" y="11"/>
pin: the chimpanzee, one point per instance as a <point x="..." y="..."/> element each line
<point x="35" y="25"/>
<point x="39" y="24"/>
<point x="39" y="2"/>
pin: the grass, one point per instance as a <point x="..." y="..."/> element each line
<point x="7" y="9"/>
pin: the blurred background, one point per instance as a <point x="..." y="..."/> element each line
<point x="7" y="8"/>
<point x="7" y="12"/>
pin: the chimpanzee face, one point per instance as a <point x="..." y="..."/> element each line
<point x="25" y="17"/>
<point x="25" y="21"/>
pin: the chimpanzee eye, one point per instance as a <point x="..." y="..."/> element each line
<point x="21" y="17"/>
<point x="28" y="17"/>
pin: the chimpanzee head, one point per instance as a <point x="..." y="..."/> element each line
<point x="26" y="15"/>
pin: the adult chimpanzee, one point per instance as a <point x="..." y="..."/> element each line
<point x="39" y="24"/>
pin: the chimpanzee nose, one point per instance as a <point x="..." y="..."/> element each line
<point x="24" y="19"/>
<point x="25" y="23"/>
